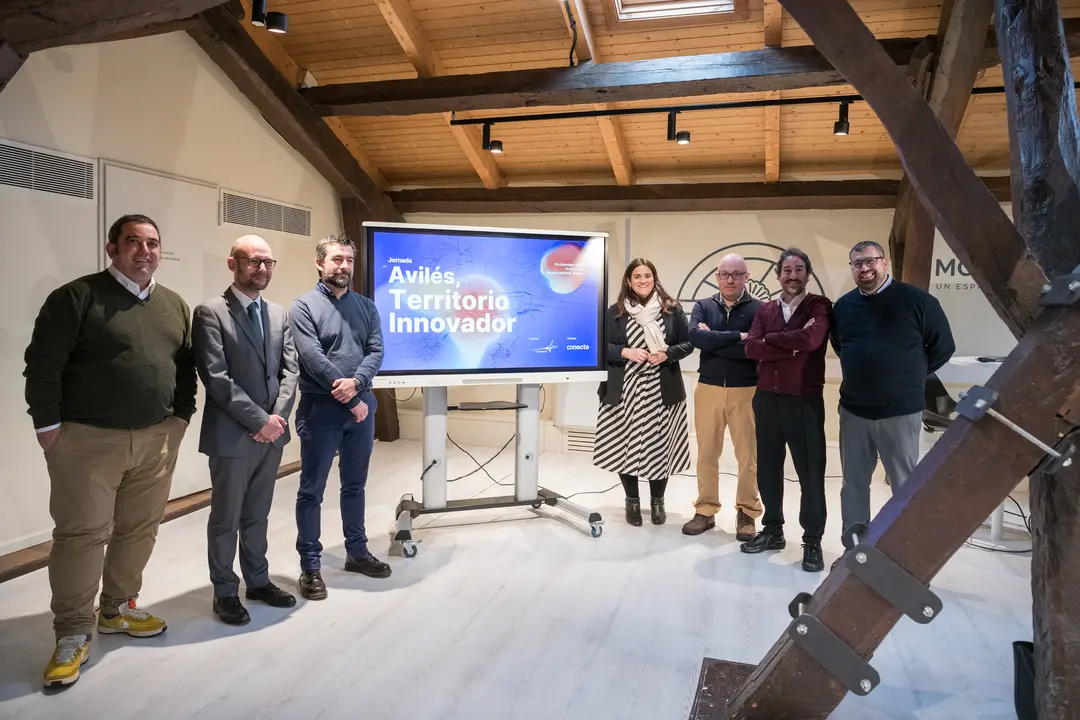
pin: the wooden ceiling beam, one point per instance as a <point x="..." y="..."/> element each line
<point x="766" y="70"/>
<point x="675" y="197"/>
<point x="774" y="36"/>
<point x="611" y="129"/>
<point x="403" y="22"/>
<point x="10" y="62"/>
<point x="229" y="45"/>
<point x="294" y="74"/>
<point x="32" y="25"/>
<point x="957" y="62"/>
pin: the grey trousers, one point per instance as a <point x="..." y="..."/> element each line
<point x="895" y="440"/>
<point x="243" y="490"/>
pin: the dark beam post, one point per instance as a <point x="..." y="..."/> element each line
<point x="353" y="215"/>
<point x="961" y="40"/>
<point x="10" y="62"/>
<point x="1045" y="142"/>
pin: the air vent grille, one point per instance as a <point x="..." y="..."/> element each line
<point x="266" y="214"/>
<point x="46" y="172"/>
<point x="580" y="441"/>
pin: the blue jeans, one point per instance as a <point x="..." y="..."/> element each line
<point x="325" y="428"/>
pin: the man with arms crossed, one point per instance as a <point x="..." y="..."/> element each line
<point x="724" y="398"/>
<point x="788" y="339"/>
<point x="339" y="342"/>
<point x="889" y="336"/>
<point x="110" y="384"/>
<point x="246" y="359"/>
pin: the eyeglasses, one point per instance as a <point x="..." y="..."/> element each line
<point x="731" y="276"/>
<point x="865" y="262"/>
<point x="254" y="263"/>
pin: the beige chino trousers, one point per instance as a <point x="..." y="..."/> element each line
<point x="717" y="409"/>
<point x="109" y="487"/>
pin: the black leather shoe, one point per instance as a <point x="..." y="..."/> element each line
<point x="272" y="595"/>
<point x="368" y="565"/>
<point x="231" y="611"/>
<point x="659" y="515"/>
<point x="312" y="586"/>
<point x="811" y="558"/>
<point x="763" y="541"/>
<point x="633" y="511"/>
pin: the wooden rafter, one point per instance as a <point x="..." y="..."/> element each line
<point x="10" y="62"/>
<point x="957" y="60"/>
<point x="610" y="127"/>
<point x="765" y="70"/>
<point x="975" y="464"/>
<point x="221" y="35"/>
<point x="680" y="197"/>
<point x="774" y="36"/>
<point x="32" y="25"/>
<point x="410" y="35"/>
<point x="292" y="72"/>
<point x="1045" y="142"/>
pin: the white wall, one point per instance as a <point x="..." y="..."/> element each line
<point x="155" y="103"/>
<point x="685" y="248"/>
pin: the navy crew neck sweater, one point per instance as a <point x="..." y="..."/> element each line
<point x="888" y="343"/>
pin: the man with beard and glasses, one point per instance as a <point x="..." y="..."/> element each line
<point x="788" y="339"/>
<point x="245" y="357"/>
<point x="338" y="338"/>
<point x="889" y="336"/>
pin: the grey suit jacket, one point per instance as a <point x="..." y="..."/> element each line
<point x="245" y="382"/>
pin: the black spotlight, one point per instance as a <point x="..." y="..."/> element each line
<point x="841" y="126"/>
<point x="258" y="12"/>
<point x="277" y="22"/>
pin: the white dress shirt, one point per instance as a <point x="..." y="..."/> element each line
<point x="245" y="301"/>
<point x="789" y="308"/>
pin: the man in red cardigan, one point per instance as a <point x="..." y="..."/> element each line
<point x="788" y="339"/>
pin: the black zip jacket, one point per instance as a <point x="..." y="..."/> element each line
<point x="723" y="357"/>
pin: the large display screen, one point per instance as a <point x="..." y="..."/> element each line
<point x="482" y="301"/>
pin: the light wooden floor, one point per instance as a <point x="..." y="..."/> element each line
<point x="514" y="614"/>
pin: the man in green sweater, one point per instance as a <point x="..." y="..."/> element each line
<point x="110" y="384"/>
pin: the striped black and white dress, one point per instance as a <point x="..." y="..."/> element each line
<point x="641" y="436"/>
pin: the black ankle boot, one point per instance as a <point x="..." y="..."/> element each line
<point x="633" y="511"/>
<point x="659" y="515"/>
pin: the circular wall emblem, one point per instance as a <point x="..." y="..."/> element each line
<point x="761" y="260"/>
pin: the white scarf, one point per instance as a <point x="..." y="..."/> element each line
<point x="648" y="317"/>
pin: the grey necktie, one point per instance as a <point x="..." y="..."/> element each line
<point x="256" y="320"/>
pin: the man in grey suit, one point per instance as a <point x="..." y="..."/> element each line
<point x="247" y="362"/>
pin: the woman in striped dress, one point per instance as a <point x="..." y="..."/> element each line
<point x="641" y="429"/>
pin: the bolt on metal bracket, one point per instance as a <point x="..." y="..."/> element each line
<point x="1062" y="291"/>
<point x="977" y="403"/>
<point x="833" y="654"/>
<point x="888" y="579"/>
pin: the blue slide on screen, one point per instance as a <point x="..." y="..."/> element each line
<point x="470" y="302"/>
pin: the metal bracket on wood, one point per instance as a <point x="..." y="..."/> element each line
<point x="1063" y="458"/>
<point x="976" y="403"/>
<point x="888" y="579"/>
<point x="1062" y="291"/>
<point x="829" y="651"/>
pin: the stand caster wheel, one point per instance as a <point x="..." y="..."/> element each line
<point x="537" y="505"/>
<point x="597" y="530"/>
<point x="409" y="549"/>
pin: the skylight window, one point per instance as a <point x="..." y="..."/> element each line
<point x="639" y="13"/>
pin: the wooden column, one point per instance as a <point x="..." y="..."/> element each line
<point x="1045" y="143"/>
<point x="10" y="62"/>
<point x="353" y="215"/>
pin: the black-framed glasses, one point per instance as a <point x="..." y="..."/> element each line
<point x="254" y="263"/>
<point x="731" y="276"/>
<point x="865" y="262"/>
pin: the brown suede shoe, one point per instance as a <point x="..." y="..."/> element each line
<point x="698" y="524"/>
<point x="744" y="526"/>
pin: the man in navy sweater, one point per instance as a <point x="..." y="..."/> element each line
<point x="889" y="336"/>
<point x="338" y="340"/>
<point x="724" y="398"/>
